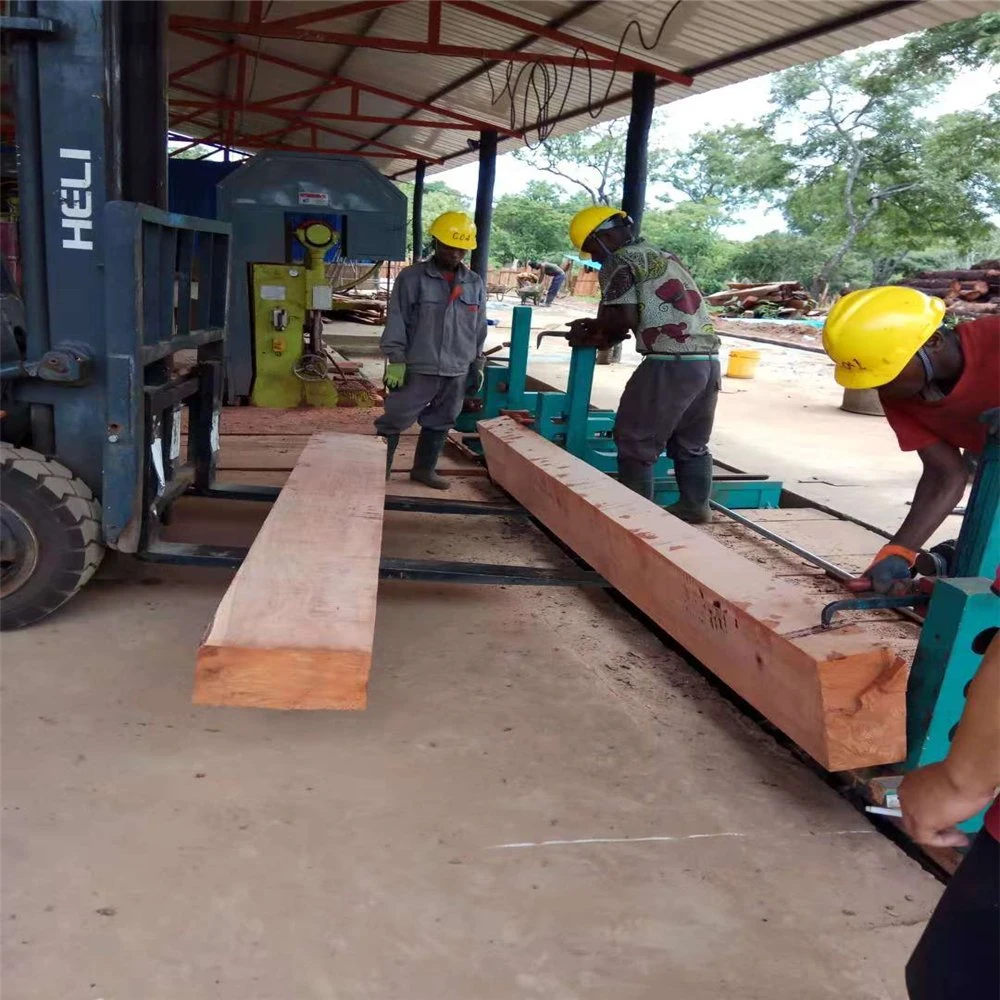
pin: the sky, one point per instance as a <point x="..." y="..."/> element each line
<point x="742" y="104"/>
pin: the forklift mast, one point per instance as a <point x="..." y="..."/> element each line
<point x="113" y="287"/>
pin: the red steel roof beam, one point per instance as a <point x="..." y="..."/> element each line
<point x="341" y="10"/>
<point x="409" y="45"/>
<point x="197" y="107"/>
<point x="334" y="84"/>
<point x="434" y="22"/>
<point x="621" y="59"/>
<point x="195" y="66"/>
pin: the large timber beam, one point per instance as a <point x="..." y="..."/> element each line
<point x="839" y="694"/>
<point x="296" y="626"/>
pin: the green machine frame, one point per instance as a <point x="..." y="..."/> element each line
<point x="962" y="618"/>
<point x="568" y="419"/>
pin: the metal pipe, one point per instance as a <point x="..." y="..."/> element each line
<point x="484" y="202"/>
<point x="418" y="211"/>
<point x="637" y="146"/>
<point x="34" y="284"/>
<point x="828" y="567"/>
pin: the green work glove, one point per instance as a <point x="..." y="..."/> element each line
<point x="477" y="376"/>
<point x="395" y="375"/>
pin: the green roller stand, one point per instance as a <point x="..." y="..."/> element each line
<point x="960" y="617"/>
<point x="567" y="419"/>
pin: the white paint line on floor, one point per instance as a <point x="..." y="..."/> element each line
<point x="663" y="839"/>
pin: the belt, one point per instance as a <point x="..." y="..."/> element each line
<point x="682" y="357"/>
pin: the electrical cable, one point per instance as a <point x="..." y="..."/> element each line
<point x="541" y="80"/>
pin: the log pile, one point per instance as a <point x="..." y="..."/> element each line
<point x="781" y="299"/>
<point x="968" y="293"/>
<point x="359" y="308"/>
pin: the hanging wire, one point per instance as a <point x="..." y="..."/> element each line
<point x="540" y="80"/>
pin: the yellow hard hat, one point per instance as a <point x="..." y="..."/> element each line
<point x="873" y="334"/>
<point x="588" y="219"/>
<point x="454" y="229"/>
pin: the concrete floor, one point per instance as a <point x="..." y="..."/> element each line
<point x="467" y="836"/>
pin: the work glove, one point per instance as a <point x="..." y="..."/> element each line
<point x="477" y="376"/>
<point x="992" y="420"/>
<point x="395" y="374"/>
<point x="587" y="333"/>
<point x="888" y="574"/>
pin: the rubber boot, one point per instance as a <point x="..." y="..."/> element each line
<point x="694" y="483"/>
<point x="637" y="476"/>
<point x="429" y="446"/>
<point x="391" y="441"/>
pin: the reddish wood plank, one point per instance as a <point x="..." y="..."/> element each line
<point x="839" y="694"/>
<point x="296" y="626"/>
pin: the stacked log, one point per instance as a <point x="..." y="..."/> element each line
<point x="972" y="292"/>
<point x="359" y="308"/>
<point x="783" y="299"/>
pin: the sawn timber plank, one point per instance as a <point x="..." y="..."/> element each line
<point x="839" y="694"/>
<point x="296" y="626"/>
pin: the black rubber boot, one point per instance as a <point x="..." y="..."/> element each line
<point x="391" y="441"/>
<point x="637" y="476"/>
<point x="694" y="483"/>
<point x="429" y="446"/>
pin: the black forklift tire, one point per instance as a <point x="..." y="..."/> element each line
<point x="51" y="537"/>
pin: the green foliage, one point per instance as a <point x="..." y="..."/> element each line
<point x="781" y="256"/>
<point x="532" y="226"/>
<point x="956" y="46"/>
<point x="438" y="198"/>
<point x="690" y="230"/>
<point x="592" y="160"/>
<point x="735" y="165"/>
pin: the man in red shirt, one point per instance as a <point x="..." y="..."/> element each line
<point x="940" y="390"/>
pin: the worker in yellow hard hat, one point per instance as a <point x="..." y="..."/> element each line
<point x="433" y="345"/>
<point x="669" y="402"/>
<point x="940" y="389"/>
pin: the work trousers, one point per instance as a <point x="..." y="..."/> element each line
<point x="958" y="956"/>
<point x="554" y="285"/>
<point x="667" y="405"/>
<point x="433" y="401"/>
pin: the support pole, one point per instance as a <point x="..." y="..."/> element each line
<point x="144" y="101"/>
<point x="484" y="202"/>
<point x="418" y="211"/>
<point x="637" y="146"/>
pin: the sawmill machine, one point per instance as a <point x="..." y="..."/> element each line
<point x="291" y="366"/>
<point x="293" y="215"/>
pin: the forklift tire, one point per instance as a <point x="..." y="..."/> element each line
<point x="51" y="536"/>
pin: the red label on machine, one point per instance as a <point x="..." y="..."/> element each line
<point x="314" y="198"/>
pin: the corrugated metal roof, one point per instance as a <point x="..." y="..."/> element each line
<point x="699" y="35"/>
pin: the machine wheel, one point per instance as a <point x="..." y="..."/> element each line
<point x="50" y="536"/>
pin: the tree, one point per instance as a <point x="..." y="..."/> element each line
<point x="438" y="198"/>
<point x="735" y="166"/>
<point x="532" y="225"/>
<point x="856" y="118"/>
<point x="960" y="45"/>
<point x="780" y="256"/>
<point x="592" y="160"/>
<point x="691" y="231"/>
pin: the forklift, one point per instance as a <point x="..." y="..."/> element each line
<point x="91" y="392"/>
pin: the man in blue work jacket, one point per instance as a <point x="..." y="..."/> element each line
<point x="433" y="344"/>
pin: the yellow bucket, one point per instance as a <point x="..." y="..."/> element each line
<point x="742" y="364"/>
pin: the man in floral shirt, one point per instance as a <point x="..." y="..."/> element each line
<point x="669" y="402"/>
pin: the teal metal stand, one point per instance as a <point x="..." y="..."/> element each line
<point x="963" y="615"/>
<point x="568" y="419"/>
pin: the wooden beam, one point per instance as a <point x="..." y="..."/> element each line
<point x="296" y="626"/>
<point x="839" y="694"/>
